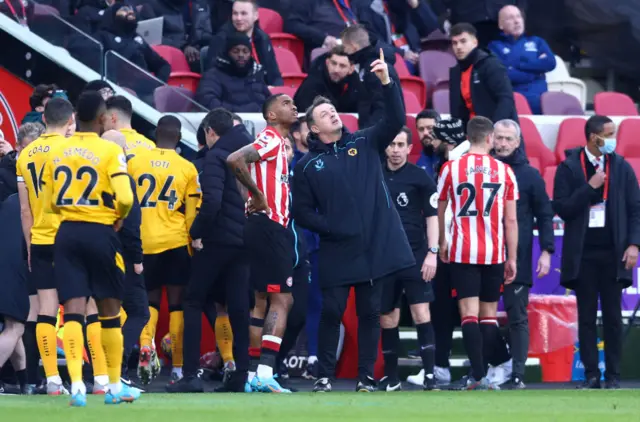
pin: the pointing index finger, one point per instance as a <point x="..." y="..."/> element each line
<point x="381" y="56"/>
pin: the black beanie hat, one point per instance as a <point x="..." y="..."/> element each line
<point x="238" y="38"/>
<point x="450" y="131"/>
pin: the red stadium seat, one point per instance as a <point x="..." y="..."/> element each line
<point x="548" y="176"/>
<point x="401" y="66"/>
<point x="570" y="135"/>
<point x="535" y="163"/>
<point x="534" y="145"/>
<point x="288" y="42"/>
<point x="181" y="74"/>
<point x="283" y="90"/>
<point x="411" y="103"/>
<point x="522" y="105"/>
<point x="349" y="121"/>
<point x="415" y="138"/>
<point x="417" y="86"/>
<point x="628" y="145"/>
<point x="287" y="62"/>
<point x="635" y="164"/>
<point x="269" y="20"/>
<point x="293" y="80"/>
<point x="614" y="104"/>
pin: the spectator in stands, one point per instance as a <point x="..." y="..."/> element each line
<point x="220" y="11"/>
<point x="39" y="98"/>
<point x="299" y="132"/>
<point x="331" y="75"/>
<point x="19" y="10"/>
<point x="243" y="19"/>
<point x="118" y="34"/>
<point x="401" y="24"/>
<point x="103" y="87"/>
<point x="425" y="122"/>
<point x="27" y="133"/>
<point x="236" y="82"/>
<point x="363" y="53"/>
<point x="478" y="84"/>
<point x="595" y="192"/>
<point x="527" y="58"/>
<point x="89" y="16"/>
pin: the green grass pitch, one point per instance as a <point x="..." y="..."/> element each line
<point x="518" y="406"/>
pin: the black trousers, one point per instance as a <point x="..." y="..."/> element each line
<point x="444" y="315"/>
<point x="218" y="274"/>
<point x="598" y="277"/>
<point x="136" y="305"/>
<point x="334" y="303"/>
<point x="516" y="299"/>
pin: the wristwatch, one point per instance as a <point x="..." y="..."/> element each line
<point x="433" y="250"/>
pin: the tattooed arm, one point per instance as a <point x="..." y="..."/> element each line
<point x="238" y="162"/>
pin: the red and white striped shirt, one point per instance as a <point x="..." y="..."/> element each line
<point x="478" y="187"/>
<point x="271" y="174"/>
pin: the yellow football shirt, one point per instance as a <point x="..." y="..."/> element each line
<point x="136" y="142"/>
<point x="30" y="171"/>
<point x="85" y="179"/>
<point x="169" y="192"/>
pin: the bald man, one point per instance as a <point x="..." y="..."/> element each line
<point x="527" y="58"/>
<point x="135" y="298"/>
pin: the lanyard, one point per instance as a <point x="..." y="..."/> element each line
<point x="339" y="4"/>
<point x="254" y="52"/>
<point x="606" y="173"/>
<point x="22" y="21"/>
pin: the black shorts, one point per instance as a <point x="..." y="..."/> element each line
<point x="88" y="261"/>
<point x="410" y="282"/>
<point x="41" y="275"/>
<point x="474" y="280"/>
<point x="271" y="254"/>
<point x="168" y="268"/>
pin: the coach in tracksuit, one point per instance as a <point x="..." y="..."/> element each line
<point x="533" y="203"/>
<point x="219" y="270"/>
<point x="339" y="192"/>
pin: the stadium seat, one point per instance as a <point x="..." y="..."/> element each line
<point x="293" y="80"/>
<point x="181" y="74"/>
<point x="535" y="163"/>
<point x="635" y="165"/>
<point x="437" y="40"/>
<point x="411" y="103"/>
<point x="522" y="105"/>
<point x="559" y="80"/>
<point x="560" y="104"/>
<point x="40" y="10"/>
<point x="283" y="90"/>
<point x="570" y="135"/>
<point x="130" y="91"/>
<point x="417" y="86"/>
<point x="289" y="42"/>
<point x="317" y="52"/>
<point x="173" y="99"/>
<point x="415" y="138"/>
<point x="287" y="61"/>
<point x="434" y="68"/>
<point x="534" y="145"/>
<point x="440" y="101"/>
<point x="628" y="145"/>
<point x="614" y="104"/>
<point x="548" y="176"/>
<point x="349" y="121"/>
<point x="269" y="20"/>
<point x="401" y="66"/>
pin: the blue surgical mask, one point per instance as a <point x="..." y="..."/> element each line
<point x="609" y="145"/>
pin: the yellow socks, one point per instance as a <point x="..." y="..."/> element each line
<point x="73" y="350"/>
<point x="113" y="345"/>
<point x="94" y="341"/>
<point x="149" y="330"/>
<point x="47" y="345"/>
<point x="176" y="330"/>
<point x="224" y="337"/>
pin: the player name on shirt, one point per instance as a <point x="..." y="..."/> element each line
<point x="477" y="187"/>
<point x="271" y="174"/>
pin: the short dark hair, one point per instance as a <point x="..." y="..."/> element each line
<point x="318" y="101"/>
<point x="478" y="129"/>
<point x="356" y="34"/>
<point x="220" y="120"/>
<point x="121" y="104"/>
<point x="89" y="106"/>
<point x="595" y="125"/>
<point x="237" y="118"/>
<point x="57" y="112"/>
<point x="253" y="2"/>
<point x="297" y="125"/>
<point x="40" y="93"/>
<point x="169" y="129"/>
<point x="268" y="103"/>
<point x="407" y="132"/>
<point x="201" y="137"/>
<point x="428" y="114"/>
<point x="463" y="28"/>
<point x="338" y="50"/>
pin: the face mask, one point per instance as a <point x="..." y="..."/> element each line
<point x="609" y="146"/>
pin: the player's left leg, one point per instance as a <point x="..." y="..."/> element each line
<point x="9" y="338"/>
<point x="490" y="291"/>
<point x="31" y="343"/>
<point x="421" y="315"/>
<point x="224" y="337"/>
<point x="175" y="296"/>
<point x="368" y="300"/>
<point x="389" y="320"/>
<point x="94" y="341"/>
<point x="19" y="362"/>
<point x="256" y="325"/>
<point x="135" y="303"/>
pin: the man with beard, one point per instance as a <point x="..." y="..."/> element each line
<point x="118" y="34"/>
<point x="236" y="82"/>
<point x="332" y="76"/>
<point x="299" y="132"/>
<point x="425" y="121"/>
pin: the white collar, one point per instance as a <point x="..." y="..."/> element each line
<point x="592" y="158"/>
